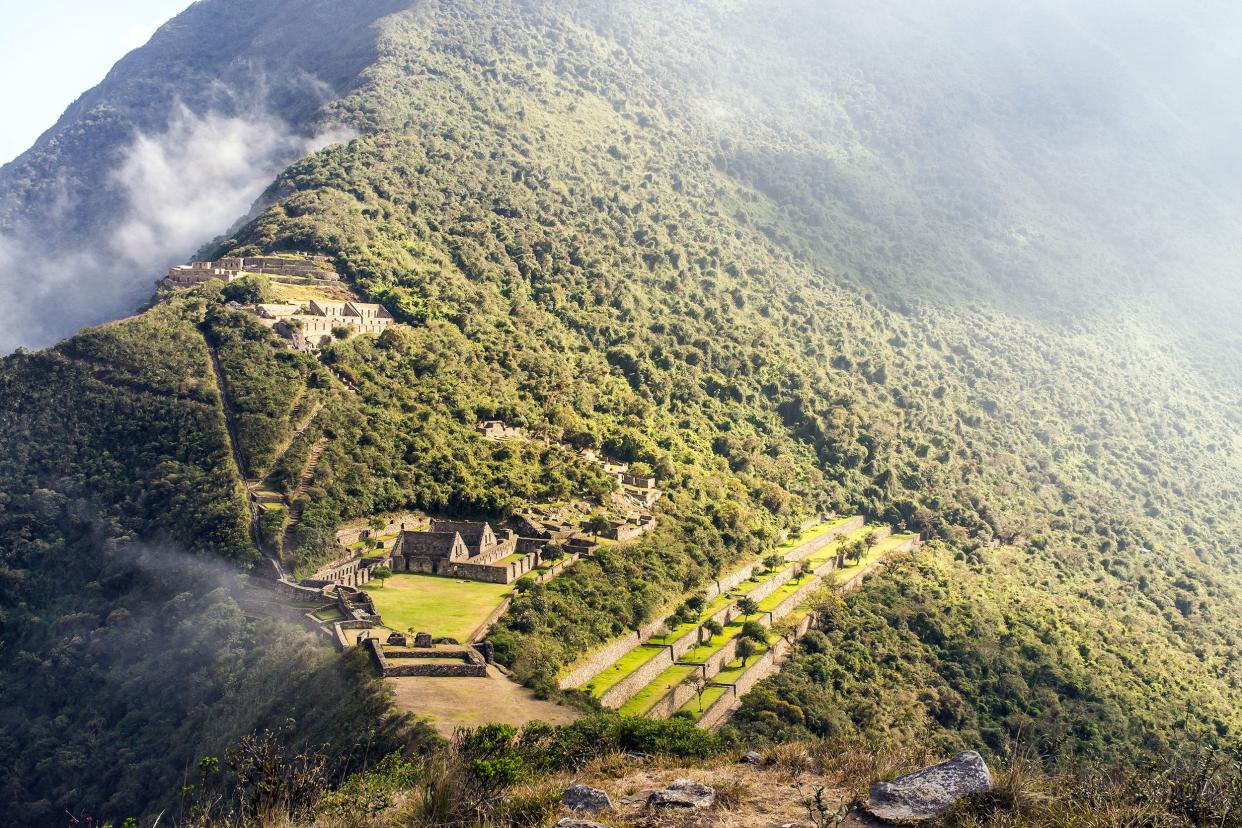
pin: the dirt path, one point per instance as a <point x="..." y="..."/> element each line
<point x="450" y="703"/>
<point x="293" y="438"/>
<point x="234" y="445"/>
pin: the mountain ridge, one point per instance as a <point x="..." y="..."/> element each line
<point x="776" y="334"/>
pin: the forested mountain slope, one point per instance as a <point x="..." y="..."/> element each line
<point x="795" y="259"/>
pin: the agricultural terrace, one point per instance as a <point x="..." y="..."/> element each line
<point x="637" y="658"/>
<point x="444" y="607"/>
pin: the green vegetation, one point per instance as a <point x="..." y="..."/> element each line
<point x="444" y="607"/>
<point x="658" y="232"/>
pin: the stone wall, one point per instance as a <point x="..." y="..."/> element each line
<point x="720" y="658"/>
<point x="713" y="716"/>
<point x="483" y="629"/>
<point x="468" y="668"/>
<point x="625" y="689"/>
<point x="601" y="659"/>
<point x="607" y="655"/>
<point x="672" y="701"/>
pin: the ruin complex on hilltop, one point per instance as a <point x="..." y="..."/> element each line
<point x="294" y="265"/>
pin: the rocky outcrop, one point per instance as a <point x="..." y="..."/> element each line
<point x="930" y="792"/>
<point x="568" y="822"/>
<point x="580" y="798"/>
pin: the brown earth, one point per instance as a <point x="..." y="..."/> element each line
<point x="450" y="703"/>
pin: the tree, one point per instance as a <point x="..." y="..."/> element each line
<point x="248" y="290"/>
<point x="699" y="683"/>
<point x="773" y="561"/>
<point x="696" y="603"/>
<point x="745" y="649"/>
<point x="755" y="632"/>
<point x="552" y="552"/>
<point x="747" y="606"/>
<point x="381" y="574"/>
<point x="805" y="569"/>
<point x="713" y="628"/>
<point x="597" y="523"/>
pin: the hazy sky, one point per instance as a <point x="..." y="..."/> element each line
<point x="51" y="51"/>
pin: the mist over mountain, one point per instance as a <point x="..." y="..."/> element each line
<point x="966" y="269"/>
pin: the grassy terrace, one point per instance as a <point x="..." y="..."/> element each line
<point x="631" y="662"/>
<point x="734" y="669"/>
<point x="624" y="666"/>
<point x="656" y="690"/>
<point x="677" y="632"/>
<point x="696" y="707"/>
<point x="810" y="535"/>
<point x="329" y="614"/>
<point x="444" y="607"/>
<point x="877" y="552"/>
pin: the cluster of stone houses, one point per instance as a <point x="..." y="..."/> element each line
<point x="311" y="324"/>
<point x="465" y="550"/>
<point x="299" y="266"/>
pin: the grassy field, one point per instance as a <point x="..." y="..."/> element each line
<point x="444" y="607"/>
<point x="331" y="292"/>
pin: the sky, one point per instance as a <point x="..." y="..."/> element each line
<point x="51" y="51"/>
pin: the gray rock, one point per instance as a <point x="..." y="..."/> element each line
<point x="585" y="798"/>
<point x="569" y="822"/>
<point x="683" y="793"/>
<point x="751" y="757"/>
<point x="931" y="791"/>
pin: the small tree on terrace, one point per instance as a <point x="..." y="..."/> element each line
<point x="597" y="523"/>
<point x="745" y="649"/>
<point x="699" y="683"/>
<point x="773" y="561"/>
<point x="747" y="606"/>
<point x="805" y="570"/>
<point x="713" y="628"/>
<point x="381" y="574"/>
<point x="755" y="632"/>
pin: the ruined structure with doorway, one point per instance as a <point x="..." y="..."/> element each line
<point x="465" y="550"/>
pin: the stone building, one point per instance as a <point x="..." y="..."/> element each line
<point x="298" y="266"/>
<point x="311" y="325"/>
<point x="497" y="430"/>
<point x="463" y="550"/>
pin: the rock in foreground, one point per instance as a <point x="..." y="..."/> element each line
<point x="683" y="793"/>
<point x="931" y="791"/>
<point x="579" y="798"/>
<point x="567" y="822"/>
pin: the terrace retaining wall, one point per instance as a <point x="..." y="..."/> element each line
<point x="609" y="654"/>
<point x="719" y="710"/>
<point x="600" y="660"/>
<point x="628" y="687"/>
<point x="672" y="701"/>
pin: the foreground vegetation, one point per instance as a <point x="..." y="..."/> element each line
<point x="502" y="776"/>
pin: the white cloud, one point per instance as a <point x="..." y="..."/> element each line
<point x="181" y="188"/>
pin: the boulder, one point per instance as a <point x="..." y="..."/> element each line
<point x="579" y="798"/>
<point x="751" y="757"/>
<point x="683" y="793"/>
<point x="930" y="792"/>
<point x="569" y="822"/>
